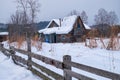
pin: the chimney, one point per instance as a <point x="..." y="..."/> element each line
<point x="60" y="21"/>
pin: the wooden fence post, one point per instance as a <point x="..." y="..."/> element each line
<point x="12" y="53"/>
<point x="1" y="46"/>
<point x="29" y="50"/>
<point x="66" y="60"/>
<point x="3" y="50"/>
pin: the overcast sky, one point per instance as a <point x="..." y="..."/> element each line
<point x="60" y="8"/>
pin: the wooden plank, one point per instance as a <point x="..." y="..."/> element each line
<point x="50" y="61"/>
<point x="47" y="71"/>
<point x="6" y="52"/>
<point x="20" y="59"/>
<point x="6" y="49"/>
<point x="21" y="51"/>
<point x="78" y="76"/>
<point x="46" y="60"/>
<point x="96" y="71"/>
<point x="40" y="74"/>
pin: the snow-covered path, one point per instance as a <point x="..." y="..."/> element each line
<point x="10" y="71"/>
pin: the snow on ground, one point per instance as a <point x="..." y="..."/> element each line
<point x="10" y="71"/>
<point x="95" y="57"/>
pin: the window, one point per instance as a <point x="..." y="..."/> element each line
<point x="47" y="38"/>
<point x="62" y="37"/>
<point x="78" y="26"/>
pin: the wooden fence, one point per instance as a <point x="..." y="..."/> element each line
<point x="66" y="66"/>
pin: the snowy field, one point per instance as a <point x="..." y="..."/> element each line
<point x="10" y="71"/>
<point x="95" y="57"/>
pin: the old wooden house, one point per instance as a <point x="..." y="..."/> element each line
<point x="68" y="29"/>
<point x="3" y="36"/>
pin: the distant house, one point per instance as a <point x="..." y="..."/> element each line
<point x="68" y="29"/>
<point x="3" y="36"/>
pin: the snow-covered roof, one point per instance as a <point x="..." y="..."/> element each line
<point x="66" y="26"/>
<point x="3" y="33"/>
<point x="86" y="26"/>
<point x="50" y="30"/>
<point x="42" y="30"/>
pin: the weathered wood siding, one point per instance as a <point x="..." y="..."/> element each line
<point x="79" y="30"/>
<point x="64" y="38"/>
<point x="3" y="37"/>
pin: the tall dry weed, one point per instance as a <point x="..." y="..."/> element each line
<point x="20" y="40"/>
<point x="92" y="41"/>
<point x="113" y="43"/>
<point x="37" y="42"/>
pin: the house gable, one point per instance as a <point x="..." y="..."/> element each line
<point x="78" y="27"/>
<point x="78" y="31"/>
<point x="79" y="22"/>
<point x="53" y="24"/>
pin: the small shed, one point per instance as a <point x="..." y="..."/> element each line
<point x="3" y="36"/>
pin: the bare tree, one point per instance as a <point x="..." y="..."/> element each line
<point x="23" y="7"/>
<point x="29" y="9"/>
<point x="104" y="17"/>
<point x="113" y="19"/>
<point x="14" y="28"/>
<point x="16" y="18"/>
<point x="84" y="17"/>
<point x="24" y="17"/>
<point x="101" y="17"/>
<point x="34" y="8"/>
<point x="73" y="12"/>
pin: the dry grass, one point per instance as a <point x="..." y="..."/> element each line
<point x="114" y="39"/>
<point x="103" y="44"/>
<point x="20" y="40"/>
<point x="34" y="40"/>
<point x="92" y="41"/>
<point x="113" y="43"/>
<point x="37" y="42"/>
